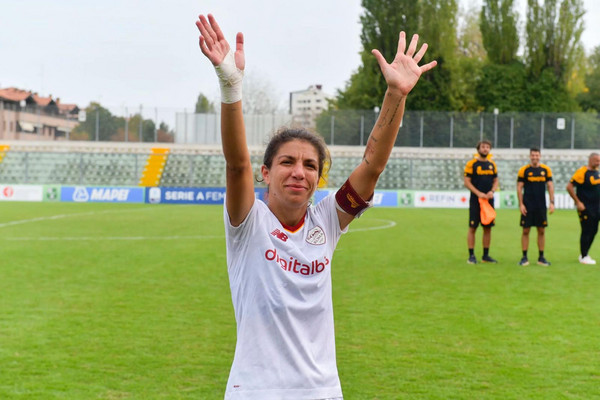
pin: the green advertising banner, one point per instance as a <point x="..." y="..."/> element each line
<point x="51" y="193"/>
<point x="508" y="199"/>
<point x="406" y="198"/>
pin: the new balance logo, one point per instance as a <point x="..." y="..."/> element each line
<point x="280" y="235"/>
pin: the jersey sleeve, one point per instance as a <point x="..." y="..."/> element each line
<point x="579" y="176"/>
<point x="521" y="174"/>
<point x="548" y="172"/>
<point x="326" y="211"/>
<point x="495" y="169"/>
<point x="469" y="168"/>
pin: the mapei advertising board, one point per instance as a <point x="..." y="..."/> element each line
<point x="102" y="194"/>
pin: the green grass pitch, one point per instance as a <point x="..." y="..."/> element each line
<point x="101" y="301"/>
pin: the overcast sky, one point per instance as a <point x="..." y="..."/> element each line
<point x="131" y="52"/>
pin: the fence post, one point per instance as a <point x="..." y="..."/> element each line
<point x="141" y="125"/>
<point x="155" y="124"/>
<point x="573" y="132"/>
<point x="512" y="130"/>
<point x="332" y="129"/>
<point x="362" y="129"/>
<point x="185" y="124"/>
<point x="480" y="127"/>
<point x="542" y="133"/>
<point x="97" y="124"/>
<point x="496" y="112"/>
<point x="451" y="131"/>
<point x="420" y="133"/>
<point x="126" y="125"/>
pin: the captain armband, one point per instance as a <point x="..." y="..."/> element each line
<point x="348" y="201"/>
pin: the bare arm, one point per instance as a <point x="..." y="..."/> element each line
<point x="495" y="186"/>
<point x="551" y="195"/>
<point x="520" y="197"/>
<point x="401" y="76"/>
<point x="239" y="178"/>
<point x="578" y="204"/>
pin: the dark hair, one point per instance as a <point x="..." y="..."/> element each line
<point x="483" y="142"/>
<point x="284" y="135"/>
<point x="534" y="149"/>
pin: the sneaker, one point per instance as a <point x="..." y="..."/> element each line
<point x="472" y="260"/>
<point x="587" y="260"/>
<point x="543" y="261"/>
<point x="488" y="259"/>
<point x="524" y="262"/>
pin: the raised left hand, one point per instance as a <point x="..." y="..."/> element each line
<point x="403" y="73"/>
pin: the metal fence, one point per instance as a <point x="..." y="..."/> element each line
<point x="464" y="129"/>
<point x="338" y="127"/>
<point x="419" y="128"/>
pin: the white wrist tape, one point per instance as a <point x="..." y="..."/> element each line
<point x="230" y="78"/>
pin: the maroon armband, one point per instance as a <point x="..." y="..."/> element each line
<point x="348" y="201"/>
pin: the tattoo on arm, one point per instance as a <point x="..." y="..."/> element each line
<point x="381" y="123"/>
<point x="370" y="149"/>
<point x="394" y="114"/>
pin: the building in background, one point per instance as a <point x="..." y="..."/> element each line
<point x="26" y="116"/>
<point x="306" y="104"/>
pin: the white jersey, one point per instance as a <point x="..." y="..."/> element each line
<point x="281" y="290"/>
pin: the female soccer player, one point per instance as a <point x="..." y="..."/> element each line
<point x="279" y="253"/>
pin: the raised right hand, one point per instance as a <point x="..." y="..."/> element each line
<point x="213" y="44"/>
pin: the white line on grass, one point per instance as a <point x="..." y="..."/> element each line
<point x="60" y="216"/>
<point x="389" y="224"/>
<point x="83" y="238"/>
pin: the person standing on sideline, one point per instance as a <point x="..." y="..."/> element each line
<point x="532" y="180"/>
<point x="481" y="178"/>
<point x="584" y="188"/>
<point x="279" y="251"/>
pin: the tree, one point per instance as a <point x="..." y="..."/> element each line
<point x="113" y="128"/>
<point x="97" y="116"/>
<point x="203" y="105"/>
<point x="259" y="95"/>
<point x="165" y="134"/>
<point x="553" y="37"/>
<point x="502" y="86"/>
<point x="470" y="57"/>
<point x="589" y="99"/>
<point x="499" y="31"/>
<point x="381" y="21"/>
<point x="435" y="91"/>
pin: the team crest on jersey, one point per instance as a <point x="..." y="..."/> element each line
<point x="316" y="236"/>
